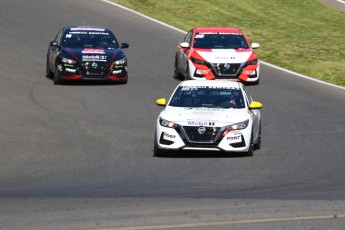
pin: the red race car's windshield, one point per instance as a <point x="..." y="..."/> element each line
<point x="220" y="41"/>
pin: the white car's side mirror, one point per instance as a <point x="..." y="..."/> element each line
<point x="255" y="45"/>
<point x="255" y="105"/>
<point x="161" y="102"/>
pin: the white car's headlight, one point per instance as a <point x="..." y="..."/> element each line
<point x="166" y="123"/>
<point x="239" y="126"/>
<point x="120" y="62"/>
<point x="69" y="61"/>
<point x="236" y="126"/>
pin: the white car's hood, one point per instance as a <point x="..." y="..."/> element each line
<point x="225" y="55"/>
<point x="204" y="116"/>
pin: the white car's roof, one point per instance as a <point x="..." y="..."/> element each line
<point x="213" y="83"/>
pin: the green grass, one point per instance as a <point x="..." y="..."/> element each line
<point x="303" y="36"/>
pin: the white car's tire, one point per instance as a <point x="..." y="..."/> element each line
<point x="250" y="151"/>
<point x="257" y="145"/>
<point x="157" y="152"/>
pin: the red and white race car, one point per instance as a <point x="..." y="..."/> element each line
<point x="217" y="53"/>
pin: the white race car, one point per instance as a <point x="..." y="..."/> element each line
<point x="217" y="53"/>
<point x="209" y="115"/>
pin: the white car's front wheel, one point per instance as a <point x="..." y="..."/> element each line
<point x="257" y="145"/>
<point x="250" y="151"/>
<point x="157" y="152"/>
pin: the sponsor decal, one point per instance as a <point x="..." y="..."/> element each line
<point x="225" y="58"/>
<point x="169" y="137"/>
<point x="203" y="71"/>
<point x="201" y="123"/>
<point x="87" y="28"/>
<point x="190" y="88"/>
<point x="209" y="112"/>
<point x="236" y="132"/>
<point x="116" y="71"/>
<point x="99" y="33"/>
<point x="93" y="51"/>
<point x="69" y="35"/>
<point x="70" y="70"/>
<point x="77" y="32"/>
<point x="94" y="58"/>
<point x="234" y="137"/>
<point x="248" y="72"/>
<point x="229" y="33"/>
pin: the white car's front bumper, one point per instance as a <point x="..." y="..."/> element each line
<point x="178" y="139"/>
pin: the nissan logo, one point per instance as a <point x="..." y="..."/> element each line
<point x="201" y="130"/>
<point x="94" y="65"/>
<point x="227" y="66"/>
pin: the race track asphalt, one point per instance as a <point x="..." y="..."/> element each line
<point x="337" y="4"/>
<point x="80" y="156"/>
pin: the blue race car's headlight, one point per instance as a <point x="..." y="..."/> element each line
<point x="120" y="62"/>
<point x="69" y="61"/>
<point x="166" y="123"/>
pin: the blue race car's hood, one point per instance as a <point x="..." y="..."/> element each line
<point x="90" y="54"/>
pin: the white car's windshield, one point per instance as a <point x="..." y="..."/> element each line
<point x="208" y="97"/>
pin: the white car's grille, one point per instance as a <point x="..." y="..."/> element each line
<point x="194" y="134"/>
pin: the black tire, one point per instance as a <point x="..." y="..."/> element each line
<point x="177" y="74"/>
<point x="250" y="151"/>
<point x="125" y="81"/>
<point x="56" y="78"/>
<point x="156" y="151"/>
<point x="49" y="74"/>
<point x="257" y="145"/>
<point x="187" y="74"/>
<point x="256" y="82"/>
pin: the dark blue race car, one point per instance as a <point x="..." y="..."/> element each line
<point x="86" y="53"/>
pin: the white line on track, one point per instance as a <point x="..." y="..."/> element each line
<point x="265" y="63"/>
<point x="232" y="222"/>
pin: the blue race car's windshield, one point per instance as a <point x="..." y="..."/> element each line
<point x="210" y="97"/>
<point x="89" y="39"/>
<point x="220" y="41"/>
